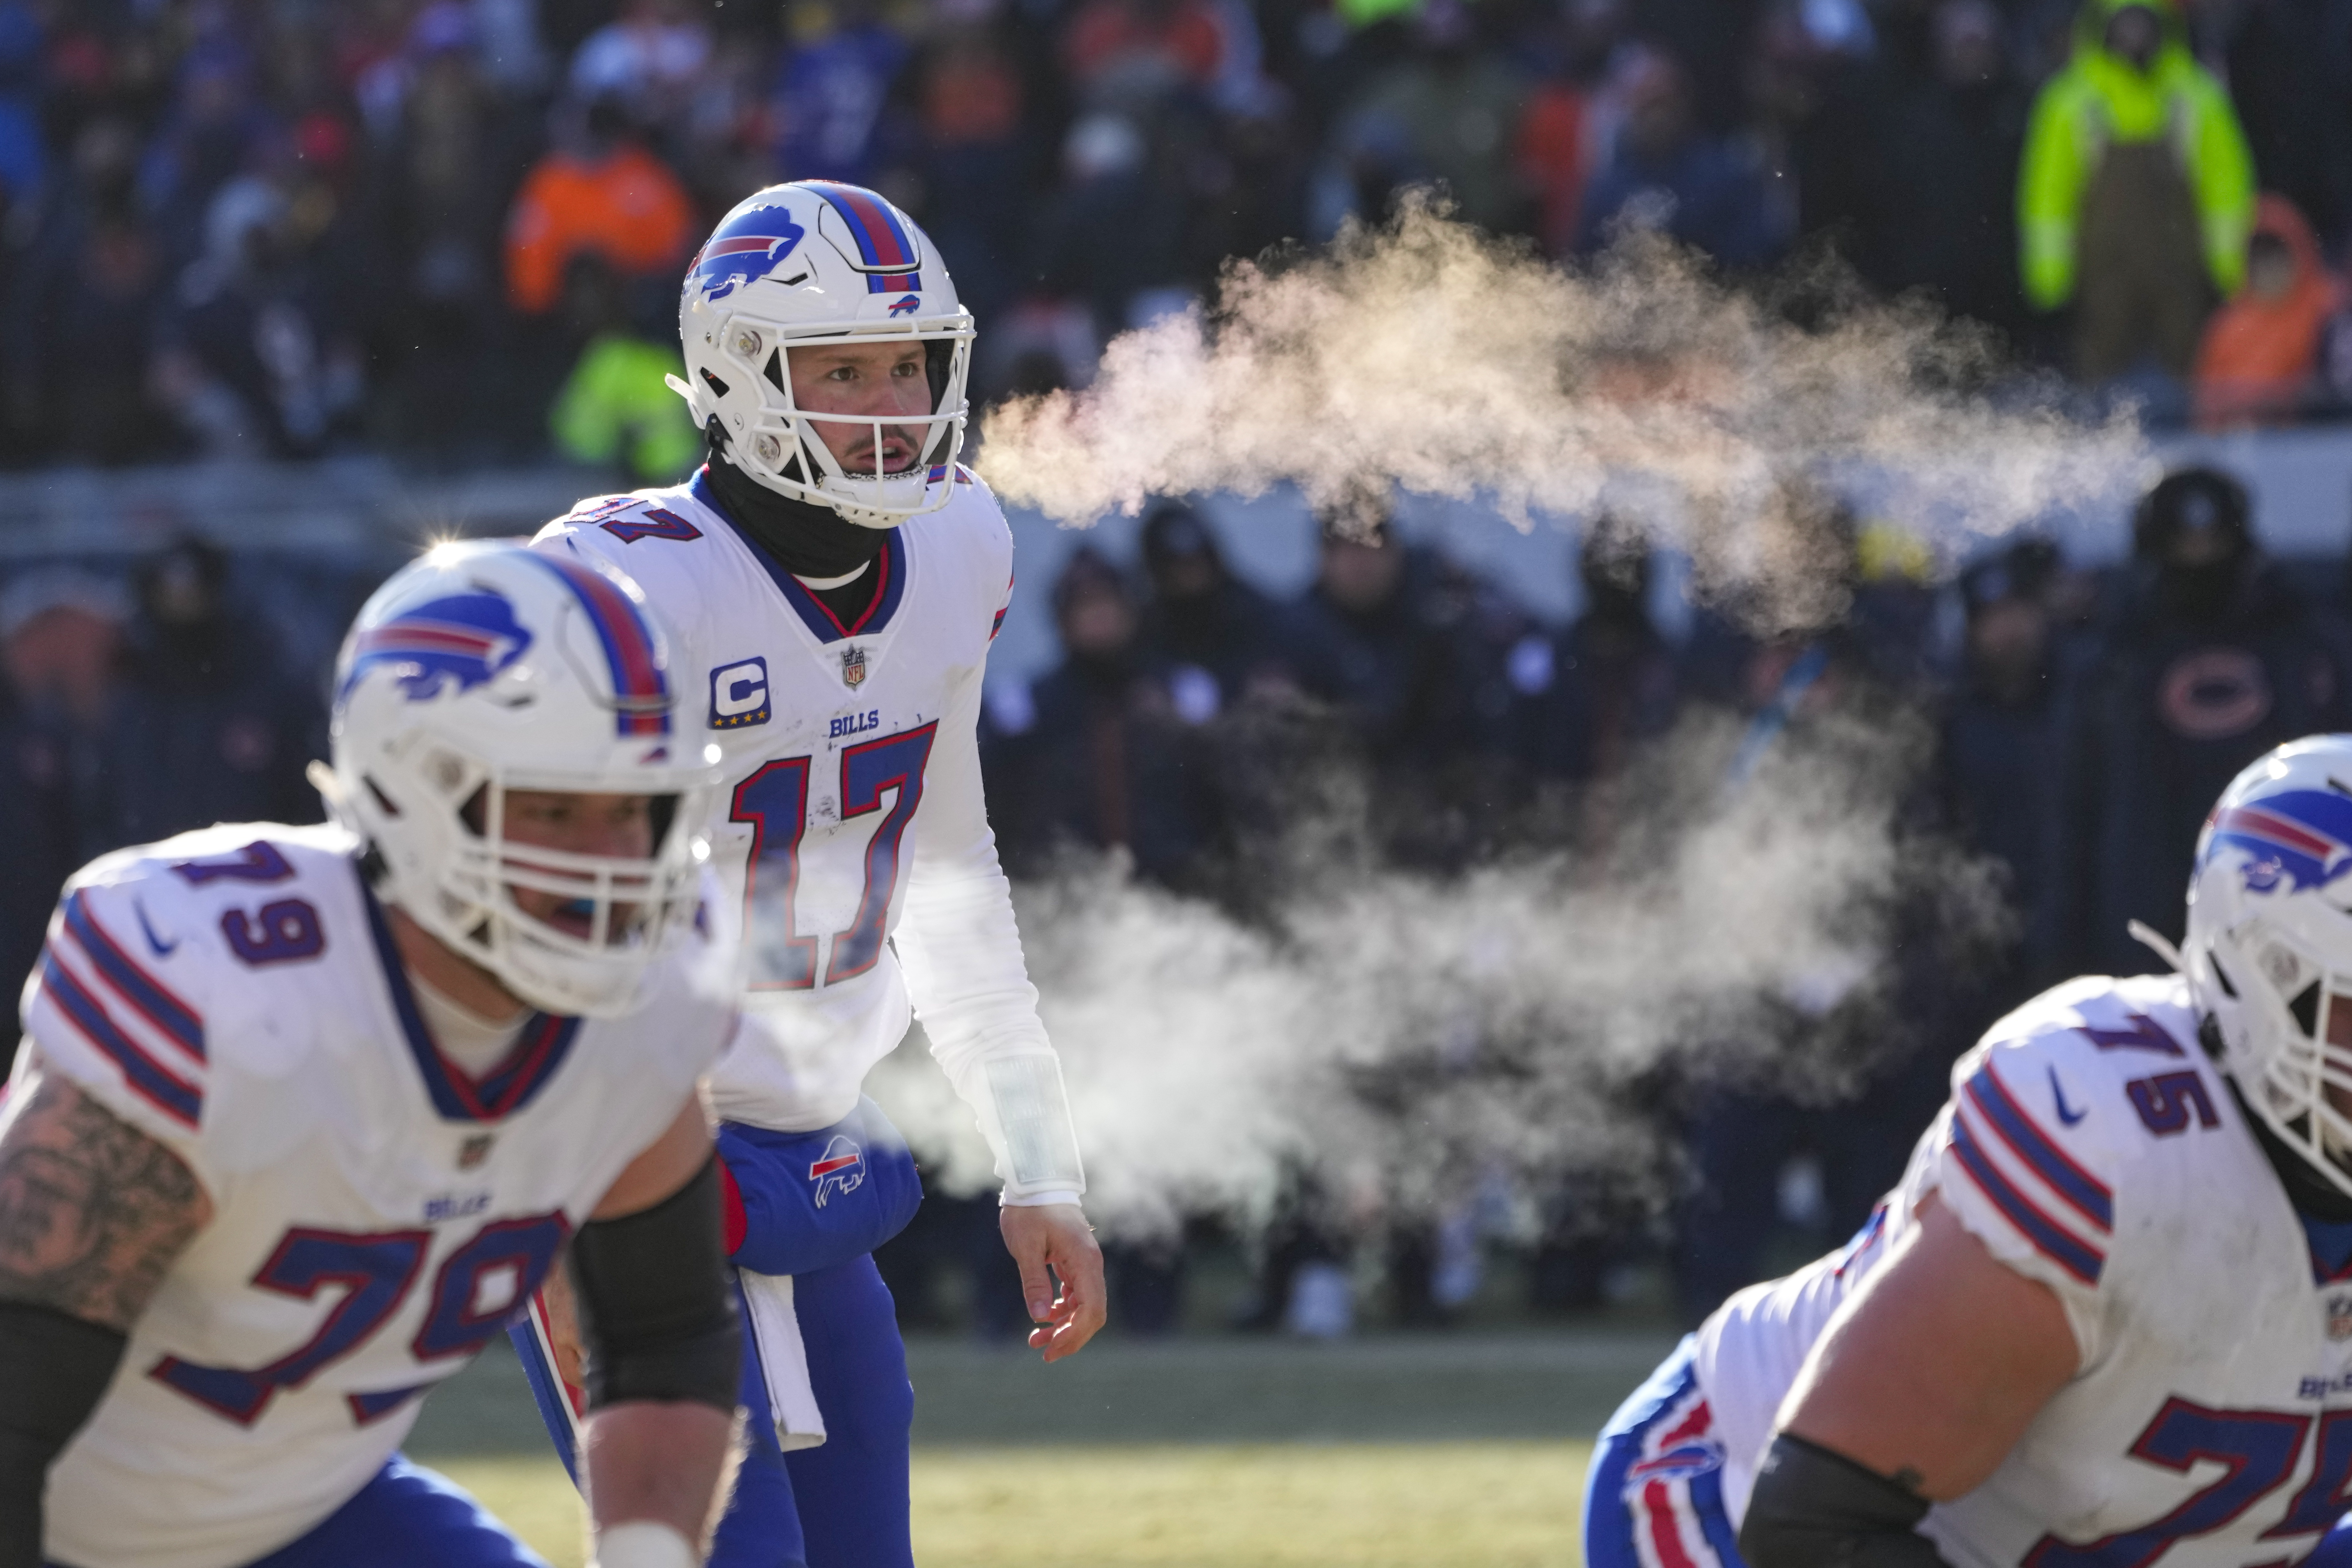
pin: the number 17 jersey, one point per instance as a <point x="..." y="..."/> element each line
<point x="853" y="822"/>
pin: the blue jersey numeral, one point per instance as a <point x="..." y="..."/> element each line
<point x="285" y="930"/>
<point x="469" y="1303"/>
<point x="2258" y="1449"/>
<point x="375" y="1272"/>
<point x="2165" y="1101"/>
<point x="774" y="803"/>
<point x="254" y="863"/>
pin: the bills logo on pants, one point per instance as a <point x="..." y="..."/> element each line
<point x="1655" y="1496"/>
<point x="840" y="1169"/>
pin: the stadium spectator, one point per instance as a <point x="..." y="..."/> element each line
<point x="651" y="57"/>
<point x="1199" y="616"/>
<point x="1116" y="233"/>
<point x="833" y="91"/>
<point x="1410" y="657"/>
<point x="1670" y="176"/>
<point x="2135" y="193"/>
<point x="444" y="159"/>
<point x="1447" y="114"/>
<point x="617" y="409"/>
<point x="58" y="637"/>
<point x="974" y="159"/>
<point x="1119" y="48"/>
<point x="2000" y="743"/>
<point x="255" y="353"/>
<point x="210" y="725"/>
<point x="1108" y="751"/>
<point x="81" y="313"/>
<point x="601" y="190"/>
<point x="2290" y="71"/>
<point x="61" y="640"/>
<point x="2211" y="662"/>
<point x="2259" y="355"/>
<point x="1942" y="216"/>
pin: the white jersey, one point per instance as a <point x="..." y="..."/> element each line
<point x="852" y="823"/>
<point x="2090" y="1145"/>
<point x="378" y="1214"/>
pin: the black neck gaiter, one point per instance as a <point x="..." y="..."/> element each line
<point x="805" y="540"/>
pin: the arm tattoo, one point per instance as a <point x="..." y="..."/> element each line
<point x="93" y="1211"/>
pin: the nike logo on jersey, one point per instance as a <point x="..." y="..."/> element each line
<point x="163" y="949"/>
<point x="2066" y="1115"/>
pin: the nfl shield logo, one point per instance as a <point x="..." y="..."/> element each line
<point x="474" y="1150"/>
<point x="2339" y="1316"/>
<point x="853" y="667"/>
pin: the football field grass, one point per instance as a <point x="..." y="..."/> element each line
<point x="1379" y="1505"/>
<point x="1198" y="1454"/>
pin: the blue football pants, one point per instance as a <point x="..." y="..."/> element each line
<point x="843" y="1504"/>
<point x="405" y="1518"/>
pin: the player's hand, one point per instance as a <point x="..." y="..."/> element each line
<point x="1056" y="1237"/>
<point x="563" y="1327"/>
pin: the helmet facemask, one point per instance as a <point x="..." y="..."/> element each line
<point x="619" y="914"/>
<point x="2285" y="1021"/>
<point x="783" y="446"/>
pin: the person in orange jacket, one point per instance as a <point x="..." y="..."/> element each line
<point x="2260" y="349"/>
<point x="605" y="193"/>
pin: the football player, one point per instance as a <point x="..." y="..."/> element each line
<point x="836" y="578"/>
<point x="303" y="1114"/>
<point x="2106" y="1318"/>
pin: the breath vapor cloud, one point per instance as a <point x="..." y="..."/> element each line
<point x="1377" y="1030"/>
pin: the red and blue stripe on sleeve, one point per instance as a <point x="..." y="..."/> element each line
<point x="2063" y="1211"/>
<point x="91" y="985"/>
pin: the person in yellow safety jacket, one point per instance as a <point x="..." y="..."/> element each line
<point x="2136" y="192"/>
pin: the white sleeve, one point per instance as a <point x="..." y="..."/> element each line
<point x="960" y="949"/>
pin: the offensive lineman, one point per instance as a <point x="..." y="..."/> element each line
<point x="2105" y="1321"/>
<point x="836" y="579"/>
<point x="287" y="1142"/>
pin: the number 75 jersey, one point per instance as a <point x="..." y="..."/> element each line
<point x="378" y="1212"/>
<point x="853" y="797"/>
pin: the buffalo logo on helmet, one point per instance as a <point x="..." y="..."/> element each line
<point x="2297" y="837"/>
<point x="466" y="637"/>
<point x="908" y="306"/>
<point x="746" y="246"/>
<point x="841" y="1169"/>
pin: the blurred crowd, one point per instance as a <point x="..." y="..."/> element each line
<point x="452" y="228"/>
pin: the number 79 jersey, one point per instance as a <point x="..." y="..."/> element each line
<point x="378" y="1213"/>
<point x="854" y="798"/>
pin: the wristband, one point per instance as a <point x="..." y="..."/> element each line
<point x="644" y="1543"/>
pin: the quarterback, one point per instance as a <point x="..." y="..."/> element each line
<point x="2105" y="1321"/>
<point x="303" y="1115"/>
<point x="836" y="579"/>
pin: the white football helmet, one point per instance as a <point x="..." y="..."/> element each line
<point x="814" y="262"/>
<point x="2269" y="946"/>
<point x="483" y="669"/>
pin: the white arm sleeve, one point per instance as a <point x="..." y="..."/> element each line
<point x="961" y="953"/>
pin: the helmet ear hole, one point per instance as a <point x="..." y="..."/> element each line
<point x="717" y="385"/>
<point x="2306" y="1008"/>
